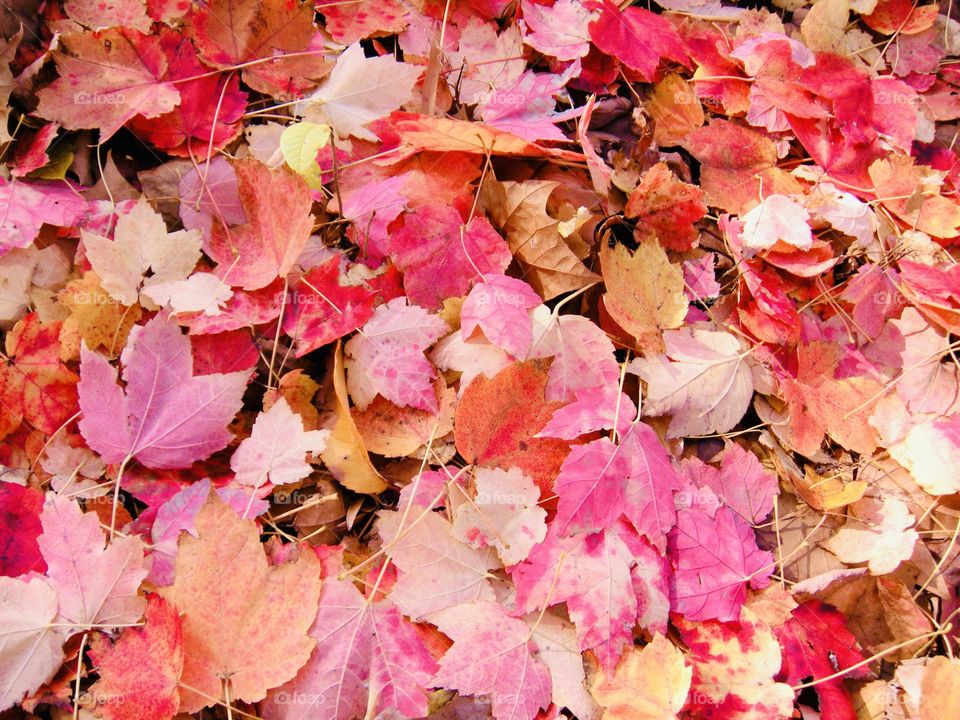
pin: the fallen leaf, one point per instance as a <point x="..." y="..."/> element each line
<point x="230" y="600"/>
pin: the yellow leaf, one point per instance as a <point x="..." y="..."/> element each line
<point x="644" y="291"/>
<point x="346" y="455"/>
<point x="648" y="684"/>
<point x="300" y="144"/>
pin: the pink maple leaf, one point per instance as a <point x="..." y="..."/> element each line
<point x="498" y="306"/>
<point x="366" y="654"/>
<point x="741" y="482"/>
<point x="636" y="37"/>
<point x="26" y="206"/>
<point x="387" y="357"/>
<point x="492" y="654"/>
<point x="595" y="574"/>
<point x="714" y="558"/>
<point x="95" y="583"/>
<point x="166" y="417"/>
<point x="441" y="256"/>
<point x="600" y="481"/>
<point x="559" y="30"/>
<point x="370" y="209"/>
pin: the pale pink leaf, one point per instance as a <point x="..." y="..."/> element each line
<point x="276" y="449"/>
<point x="96" y="583"/>
<point x="582" y="354"/>
<point x="504" y="514"/>
<point x="367" y="654"/>
<point x="777" y="218"/>
<point x="492" y="654"/>
<point x="31" y="651"/>
<point x="498" y="306"/>
<point x="702" y="381"/>
<point x="436" y="571"/>
<point x="559" y="31"/>
<point x="387" y="358"/>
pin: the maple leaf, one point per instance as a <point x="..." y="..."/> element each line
<point x="35" y="386"/>
<point x="166" y="416"/>
<point x="644" y="291"/>
<point x="195" y="122"/>
<point x="519" y="210"/>
<point x="734" y="665"/>
<point x="228" y="33"/>
<point x="504" y="514"/>
<point x="96" y="583"/>
<point x="498" y="306"/>
<point x="777" y="219"/>
<point x="741" y="482"/>
<point x="31" y="650"/>
<point x="928" y="451"/>
<point x="636" y="37"/>
<point x="485" y="59"/>
<point x="657" y="671"/>
<point x="556" y="646"/>
<point x="140" y="672"/>
<point x="525" y="107"/>
<point x="441" y="256"/>
<point x="559" y="31"/>
<point x="115" y="13"/>
<point x="277" y="207"/>
<point x="200" y="293"/>
<point x="667" y="206"/>
<point x="582" y="355"/>
<point x="370" y="209"/>
<point x="27" y="206"/>
<point x="387" y="358"/>
<point x="436" y="571"/>
<point x="141" y="245"/>
<point x="714" y="556"/>
<point x="106" y="79"/>
<point x="358" y="91"/>
<point x="839" y="407"/>
<point x="601" y="481"/>
<point x="813" y="639"/>
<point x="878" y="533"/>
<point x="275" y="450"/>
<point x="367" y="654"/>
<point x="912" y="193"/>
<point x="346" y="26"/>
<point x="702" y="381"/>
<point x="393" y="431"/>
<point x="599" y="577"/>
<point x="19" y="527"/>
<point x="734" y="161"/>
<point x="492" y="654"/>
<point x="96" y="318"/>
<point x="498" y="419"/>
<point x="326" y="306"/>
<point x="231" y="600"/>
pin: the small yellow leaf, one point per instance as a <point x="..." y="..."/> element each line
<point x="300" y="144"/>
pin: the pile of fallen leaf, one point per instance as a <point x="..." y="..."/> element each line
<point x="524" y="359"/>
